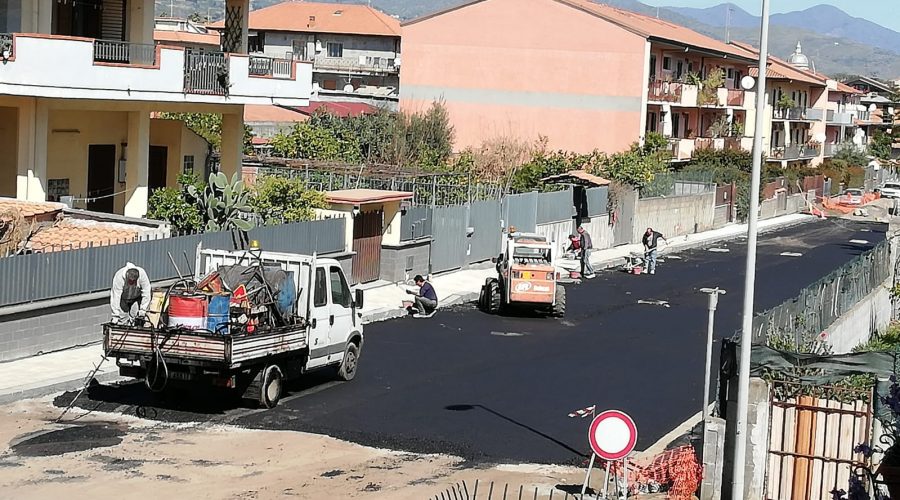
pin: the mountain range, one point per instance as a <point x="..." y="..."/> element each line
<point x="837" y="43"/>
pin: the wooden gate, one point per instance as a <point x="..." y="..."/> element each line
<point x="367" y="230"/>
<point x="812" y="439"/>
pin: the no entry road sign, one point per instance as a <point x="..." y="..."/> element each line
<point x="612" y="435"/>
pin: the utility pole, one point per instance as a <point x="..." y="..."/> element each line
<point x="713" y="294"/>
<point x="740" y="443"/>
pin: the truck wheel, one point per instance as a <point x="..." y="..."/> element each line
<point x="495" y="301"/>
<point x="270" y="390"/>
<point x="348" y="367"/>
<point x="559" y="310"/>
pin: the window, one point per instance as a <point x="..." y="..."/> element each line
<point x="298" y="47"/>
<point x="667" y="63"/>
<point x="730" y="74"/>
<point x="188" y="165"/>
<point x="335" y="49"/>
<point x="321" y="292"/>
<point x="651" y="122"/>
<point x="57" y="188"/>
<point x="340" y="292"/>
<point x="652" y="67"/>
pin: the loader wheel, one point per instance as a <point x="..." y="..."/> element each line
<point x="559" y="310"/>
<point x="272" y="384"/>
<point x="494" y="298"/>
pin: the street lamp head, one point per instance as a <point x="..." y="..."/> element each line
<point x="715" y="290"/>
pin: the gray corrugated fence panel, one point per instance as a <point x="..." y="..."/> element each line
<point x="597" y="201"/>
<point x="325" y="236"/>
<point x="448" y="247"/>
<point x="484" y="217"/>
<point x="29" y="278"/>
<point x="520" y="210"/>
<point x="557" y="206"/>
<point x="415" y="223"/>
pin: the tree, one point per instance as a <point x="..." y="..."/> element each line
<point x="279" y="200"/>
<point x="881" y="145"/>
<point x="169" y="204"/>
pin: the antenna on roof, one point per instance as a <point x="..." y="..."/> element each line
<point x="657" y="11"/>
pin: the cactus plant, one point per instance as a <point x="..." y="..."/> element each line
<point x="224" y="204"/>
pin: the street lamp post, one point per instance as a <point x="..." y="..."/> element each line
<point x="740" y="441"/>
<point x="713" y="294"/>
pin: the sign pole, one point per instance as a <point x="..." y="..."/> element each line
<point x="588" y="476"/>
<point x="625" y="474"/>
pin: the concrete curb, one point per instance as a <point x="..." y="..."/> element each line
<point x="73" y="384"/>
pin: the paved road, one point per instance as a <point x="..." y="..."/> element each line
<point x="498" y="388"/>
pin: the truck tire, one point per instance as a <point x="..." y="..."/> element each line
<point x="559" y="310"/>
<point x="350" y="363"/>
<point x="271" y="387"/>
<point x="495" y="301"/>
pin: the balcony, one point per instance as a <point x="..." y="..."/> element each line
<point x="363" y="64"/>
<point x="126" y="53"/>
<point x="681" y="149"/>
<point x="79" y="68"/>
<point x="269" y="67"/>
<point x="739" y="143"/>
<point x="793" y="152"/>
<point x="680" y="94"/>
<point x="717" y="143"/>
<point x="838" y="118"/>
<point x="798" y="114"/>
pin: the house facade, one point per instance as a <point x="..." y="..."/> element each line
<point x="79" y="83"/>
<point x="354" y="49"/>
<point x="605" y="79"/>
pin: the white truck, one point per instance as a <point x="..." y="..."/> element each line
<point x="326" y="331"/>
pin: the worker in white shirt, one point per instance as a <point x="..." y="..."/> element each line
<point x="130" y="294"/>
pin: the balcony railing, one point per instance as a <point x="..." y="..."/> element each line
<point x="664" y="91"/>
<point x="809" y="151"/>
<point x="271" y="67"/>
<point x="376" y="64"/>
<point x="804" y="114"/>
<point x="863" y="116"/>
<point x="838" y="118"/>
<point x="6" y="46"/>
<point x="114" y="51"/>
<point x="205" y="72"/>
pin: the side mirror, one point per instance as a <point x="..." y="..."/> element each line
<point x="358" y="299"/>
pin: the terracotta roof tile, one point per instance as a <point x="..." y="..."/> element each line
<point x="211" y="38"/>
<point x="255" y="113"/>
<point x="329" y="18"/>
<point x="30" y="208"/>
<point x="71" y="234"/>
<point x="781" y="69"/>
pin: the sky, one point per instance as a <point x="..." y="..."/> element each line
<point x="883" y="12"/>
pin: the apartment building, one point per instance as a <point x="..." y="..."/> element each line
<point x="354" y="49"/>
<point x="809" y="116"/>
<point x="80" y="80"/>
<point x="880" y="102"/>
<point x="585" y="75"/>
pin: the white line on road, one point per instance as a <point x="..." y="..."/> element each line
<point x="791" y="254"/>
<point x="860" y="242"/>
<point x="719" y="250"/>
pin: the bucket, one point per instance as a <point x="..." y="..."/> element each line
<point x="636" y="270"/>
<point x="187" y="311"/>
<point x="156" y="307"/>
<point x="217" y="315"/>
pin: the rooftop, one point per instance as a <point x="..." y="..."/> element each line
<point x="312" y="17"/>
<point x="341" y="109"/>
<point x="261" y="113"/>
<point x="576" y="177"/>
<point x="68" y="234"/>
<point x="363" y="196"/>
<point x="185" y="37"/>
<point x="30" y="208"/>
<point x="781" y="69"/>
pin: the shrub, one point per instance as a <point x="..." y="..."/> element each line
<point x="280" y="200"/>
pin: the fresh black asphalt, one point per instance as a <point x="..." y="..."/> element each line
<point x="493" y="388"/>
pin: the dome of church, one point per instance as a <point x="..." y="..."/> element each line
<point x="798" y="58"/>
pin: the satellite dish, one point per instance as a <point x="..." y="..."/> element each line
<point x="872" y="107"/>
<point x="349" y="88"/>
<point x="748" y="82"/>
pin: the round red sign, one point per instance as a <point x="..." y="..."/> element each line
<point x="612" y="435"/>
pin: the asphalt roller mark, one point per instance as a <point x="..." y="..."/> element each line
<point x="498" y="388"/>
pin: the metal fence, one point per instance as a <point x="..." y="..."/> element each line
<point x="822" y="303"/>
<point x="415" y="223"/>
<point x="205" y="72"/>
<point x="30" y="278"/>
<point x="490" y="490"/>
<point x="271" y="67"/>
<point x="557" y="206"/>
<point x="597" y="201"/>
<point x="678" y="184"/>
<point x="114" y="51"/>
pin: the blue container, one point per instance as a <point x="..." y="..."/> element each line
<point x="217" y="314"/>
<point x="287" y="296"/>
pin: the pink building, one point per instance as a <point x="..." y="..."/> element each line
<point x="586" y="76"/>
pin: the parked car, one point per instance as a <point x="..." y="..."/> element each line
<point x="852" y="196"/>
<point x="890" y="190"/>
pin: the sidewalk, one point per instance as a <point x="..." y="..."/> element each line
<point x="66" y="370"/>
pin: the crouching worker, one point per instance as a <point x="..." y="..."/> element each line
<point x="129" y="296"/>
<point x="426" y="300"/>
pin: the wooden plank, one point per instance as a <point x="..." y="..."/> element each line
<point x="804" y="445"/>
<point x="773" y="473"/>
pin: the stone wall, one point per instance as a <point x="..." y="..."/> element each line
<point x="674" y="216"/>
